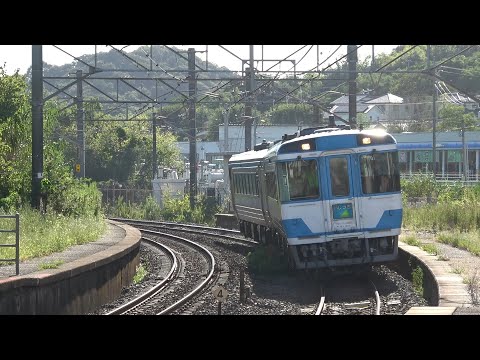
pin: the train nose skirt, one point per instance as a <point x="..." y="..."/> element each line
<point x="354" y="250"/>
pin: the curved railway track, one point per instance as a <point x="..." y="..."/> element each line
<point x="321" y="304"/>
<point x="193" y="229"/>
<point x="347" y="297"/>
<point x="133" y="304"/>
<point x="187" y="277"/>
<point x="230" y="251"/>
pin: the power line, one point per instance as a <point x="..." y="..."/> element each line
<point x="394" y="59"/>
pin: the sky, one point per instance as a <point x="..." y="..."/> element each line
<point x="20" y="56"/>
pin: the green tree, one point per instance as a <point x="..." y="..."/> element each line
<point x="13" y="97"/>
<point x="124" y="152"/>
<point x="292" y="114"/>
<point x="453" y="117"/>
<point x="363" y="121"/>
<point x="15" y="129"/>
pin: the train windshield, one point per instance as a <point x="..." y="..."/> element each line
<point x="298" y="180"/>
<point x="380" y="172"/>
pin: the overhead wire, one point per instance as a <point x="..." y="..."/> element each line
<point x="165" y="71"/>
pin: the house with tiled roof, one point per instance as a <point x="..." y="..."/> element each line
<point x="385" y="109"/>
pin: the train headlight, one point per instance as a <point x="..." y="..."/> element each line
<point x="366" y="141"/>
<point x="305" y="146"/>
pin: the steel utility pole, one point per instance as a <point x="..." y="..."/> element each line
<point x="192" y="89"/>
<point x="80" y="168"/>
<point x="434" y="115"/>
<point x="352" y="85"/>
<point x="250" y="85"/>
<point x="464" y="152"/>
<point x="226" y="158"/>
<point x="434" y="131"/>
<point x="154" y="147"/>
<point x="37" y="124"/>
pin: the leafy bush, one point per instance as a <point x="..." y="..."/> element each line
<point x="123" y="210"/>
<point x="267" y="260"/>
<point x="75" y="197"/>
<point x="419" y="186"/>
<point x="11" y="202"/>
<point x="152" y="209"/>
<point x="179" y="210"/>
<point x="140" y="273"/>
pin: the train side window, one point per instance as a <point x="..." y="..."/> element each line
<point x="283" y="182"/>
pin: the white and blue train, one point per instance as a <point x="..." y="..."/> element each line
<point x="328" y="197"/>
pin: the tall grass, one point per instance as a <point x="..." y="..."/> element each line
<point x="451" y="209"/>
<point x="468" y="241"/>
<point x="456" y="215"/>
<point x="42" y="235"/>
<point x="173" y="210"/>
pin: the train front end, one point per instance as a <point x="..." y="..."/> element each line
<point x="353" y="215"/>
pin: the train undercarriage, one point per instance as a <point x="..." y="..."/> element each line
<point x="341" y="252"/>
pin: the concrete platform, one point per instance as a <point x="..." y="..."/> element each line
<point x="431" y="310"/>
<point x="91" y="275"/>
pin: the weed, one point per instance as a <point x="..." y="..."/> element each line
<point x="412" y="240"/>
<point x="417" y="279"/>
<point x="140" y="273"/>
<point x="430" y="248"/>
<point x="51" y="264"/>
<point x="443" y="257"/>
<point x="473" y="285"/>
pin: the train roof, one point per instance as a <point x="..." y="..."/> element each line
<point x="253" y="155"/>
<point x="318" y="139"/>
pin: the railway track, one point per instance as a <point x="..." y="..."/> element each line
<point x="289" y="294"/>
<point x="351" y="297"/>
<point x="191" y="270"/>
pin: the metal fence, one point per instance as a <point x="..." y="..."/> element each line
<point x="111" y="196"/>
<point x="17" y="240"/>
<point x="130" y="196"/>
<point x="472" y="178"/>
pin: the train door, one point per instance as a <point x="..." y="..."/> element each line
<point x="260" y="179"/>
<point x="340" y="205"/>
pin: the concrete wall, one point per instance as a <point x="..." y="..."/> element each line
<point x="407" y="263"/>
<point x="78" y="287"/>
<point x="226" y="221"/>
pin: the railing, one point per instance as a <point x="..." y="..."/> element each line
<point x="472" y="178"/>
<point x="17" y="240"/>
<point x="129" y="196"/>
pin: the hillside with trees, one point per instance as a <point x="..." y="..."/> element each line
<point x="276" y="102"/>
<point x="121" y="150"/>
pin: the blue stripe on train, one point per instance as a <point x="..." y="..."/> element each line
<point x="336" y="142"/>
<point x="391" y="219"/>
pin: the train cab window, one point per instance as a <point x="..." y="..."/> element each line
<point x="339" y="178"/>
<point x="298" y="180"/>
<point x="380" y="172"/>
